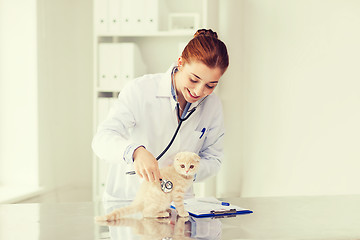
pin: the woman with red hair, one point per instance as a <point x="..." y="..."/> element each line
<point x="152" y="107"/>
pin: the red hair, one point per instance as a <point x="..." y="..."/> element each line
<point x="205" y="47"/>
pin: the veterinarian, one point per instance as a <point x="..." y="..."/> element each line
<point x="143" y="120"/>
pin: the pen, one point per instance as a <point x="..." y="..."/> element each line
<point x="215" y="202"/>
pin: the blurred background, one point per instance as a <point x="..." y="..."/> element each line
<point x="291" y="94"/>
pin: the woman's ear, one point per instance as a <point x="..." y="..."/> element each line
<point x="180" y="62"/>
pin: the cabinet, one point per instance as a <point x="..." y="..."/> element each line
<point x="134" y="37"/>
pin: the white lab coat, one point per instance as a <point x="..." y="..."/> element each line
<point x="145" y="113"/>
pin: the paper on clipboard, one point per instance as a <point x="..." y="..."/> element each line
<point x="210" y="206"/>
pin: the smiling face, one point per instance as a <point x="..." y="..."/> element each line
<point x="195" y="80"/>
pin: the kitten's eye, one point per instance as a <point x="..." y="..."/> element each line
<point x="191" y="166"/>
<point x="182" y="166"/>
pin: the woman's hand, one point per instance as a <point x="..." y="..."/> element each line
<point x="146" y="165"/>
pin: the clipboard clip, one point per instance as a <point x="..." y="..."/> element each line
<point x="231" y="211"/>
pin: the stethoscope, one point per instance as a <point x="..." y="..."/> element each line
<point x="166" y="185"/>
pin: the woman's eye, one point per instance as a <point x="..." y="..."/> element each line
<point x="193" y="81"/>
<point x="210" y="86"/>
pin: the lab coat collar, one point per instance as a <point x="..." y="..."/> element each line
<point x="164" y="89"/>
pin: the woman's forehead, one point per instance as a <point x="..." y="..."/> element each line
<point x="202" y="72"/>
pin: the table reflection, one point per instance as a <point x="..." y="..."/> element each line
<point x="173" y="227"/>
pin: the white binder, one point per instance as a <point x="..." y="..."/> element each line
<point x="127" y="17"/>
<point x="101" y="16"/>
<point x="118" y="63"/>
<point x="151" y="15"/>
<point x="114" y="16"/>
<point x="132" y="63"/>
<point x="104" y="65"/>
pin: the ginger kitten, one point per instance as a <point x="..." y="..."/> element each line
<point x="152" y="201"/>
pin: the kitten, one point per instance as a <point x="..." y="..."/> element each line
<point x="152" y="201"/>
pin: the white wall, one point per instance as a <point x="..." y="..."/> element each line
<point x="291" y="95"/>
<point x="230" y="27"/>
<point x="65" y="92"/>
<point x="18" y="94"/>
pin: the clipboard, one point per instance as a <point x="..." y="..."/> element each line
<point x="211" y="207"/>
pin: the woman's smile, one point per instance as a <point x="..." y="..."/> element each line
<point x="193" y="96"/>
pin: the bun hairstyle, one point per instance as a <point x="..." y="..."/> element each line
<point x="205" y="47"/>
<point x="206" y="32"/>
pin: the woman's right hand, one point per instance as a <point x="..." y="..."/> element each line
<point x="146" y="165"/>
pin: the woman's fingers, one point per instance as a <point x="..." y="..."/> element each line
<point x="146" y="166"/>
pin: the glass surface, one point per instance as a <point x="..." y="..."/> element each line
<point x="332" y="217"/>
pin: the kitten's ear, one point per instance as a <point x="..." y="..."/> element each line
<point x="179" y="155"/>
<point x="196" y="157"/>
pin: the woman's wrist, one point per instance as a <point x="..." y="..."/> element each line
<point x="137" y="151"/>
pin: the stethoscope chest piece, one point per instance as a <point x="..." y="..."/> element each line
<point x="166" y="185"/>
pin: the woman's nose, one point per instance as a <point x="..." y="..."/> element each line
<point x="199" y="90"/>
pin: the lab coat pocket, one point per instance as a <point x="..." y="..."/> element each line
<point x="201" y="132"/>
<point x="198" y="138"/>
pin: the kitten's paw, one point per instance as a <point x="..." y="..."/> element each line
<point x="183" y="214"/>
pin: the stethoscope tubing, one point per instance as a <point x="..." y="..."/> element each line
<point x="181" y="120"/>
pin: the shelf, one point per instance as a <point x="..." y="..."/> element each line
<point x="110" y="90"/>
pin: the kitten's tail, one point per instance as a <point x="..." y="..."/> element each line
<point x="118" y="213"/>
